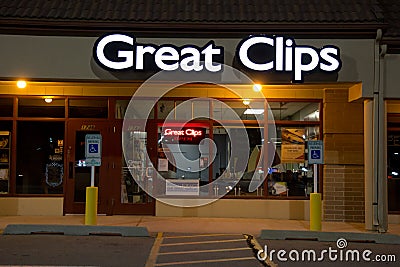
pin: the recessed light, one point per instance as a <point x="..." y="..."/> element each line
<point x="254" y="111"/>
<point x="257" y="87"/>
<point x="246" y="101"/>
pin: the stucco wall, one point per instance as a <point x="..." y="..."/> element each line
<point x="66" y="57"/>
<point x="392" y="76"/>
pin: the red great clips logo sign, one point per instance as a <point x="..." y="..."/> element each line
<point x="190" y="135"/>
<point x="260" y="53"/>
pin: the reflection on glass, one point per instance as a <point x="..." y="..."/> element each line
<point x="230" y="180"/>
<point x="184" y="153"/>
<point x="183" y="110"/>
<point x="295" y="111"/>
<point x="136" y="111"/>
<point x="135" y="168"/>
<point x="40" y="157"/>
<point x="234" y="110"/>
<point x="164" y="108"/>
<point x="290" y="174"/>
<point x="201" y="109"/>
<point x="37" y="107"/>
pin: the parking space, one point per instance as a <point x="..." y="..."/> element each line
<point x="202" y="250"/>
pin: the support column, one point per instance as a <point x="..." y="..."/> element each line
<point x="368" y="164"/>
<point x="379" y="183"/>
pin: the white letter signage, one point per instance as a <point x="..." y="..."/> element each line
<point x="256" y="53"/>
<point x="287" y="56"/>
<point x="119" y="52"/>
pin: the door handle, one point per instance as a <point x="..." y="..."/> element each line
<point x="70" y="170"/>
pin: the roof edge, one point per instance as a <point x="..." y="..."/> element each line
<point x="48" y="27"/>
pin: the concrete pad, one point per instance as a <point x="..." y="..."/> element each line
<point x="330" y="236"/>
<point x="75" y="230"/>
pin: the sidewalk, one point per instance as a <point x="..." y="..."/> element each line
<point x="193" y="224"/>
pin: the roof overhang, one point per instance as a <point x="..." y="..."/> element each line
<point x="237" y="29"/>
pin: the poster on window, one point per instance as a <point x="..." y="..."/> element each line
<point x="162" y="165"/>
<point x="293" y="145"/>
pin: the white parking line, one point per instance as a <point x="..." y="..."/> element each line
<point x="203" y="242"/>
<point x="203" y="251"/>
<point x="208" y="235"/>
<point x="203" y="261"/>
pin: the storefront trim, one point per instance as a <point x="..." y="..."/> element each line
<point x="242" y="208"/>
<point x="31" y="206"/>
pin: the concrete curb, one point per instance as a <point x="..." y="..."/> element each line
<point x="75" y="230"/>
<point x="330" y="236"/>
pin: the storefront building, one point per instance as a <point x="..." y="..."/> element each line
<point x="345" y="99"/>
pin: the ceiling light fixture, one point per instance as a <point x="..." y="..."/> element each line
<point x="254" y="111"/>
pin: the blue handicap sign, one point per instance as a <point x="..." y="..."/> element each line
<point x="316" y="154"/>
<point x="93" y="148"/>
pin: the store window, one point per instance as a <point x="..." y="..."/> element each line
<point x="295" y="123"/>
<point x="393" y="171"/>
<point x="135" y="169"/>
<point x="200" y="109"/>
<point x="295" y="111"/>
<point x="290" y="174"/>
<point x="192" y="110"/>
<point x="5" y="156"/>
<point x="233" y="181"/>
<point x="164" y="108"/>
<point x="196" y="109"/>
<point x="40" y="161"/>
<point x="38" y="107"/>
<point x="6" y="107"/>
<point x="183" y="152"/>
<point x="88" y="108"/>
<point x="238" y="109"/>
<point x="137" y="110"/>
<point x="393" y="162"/>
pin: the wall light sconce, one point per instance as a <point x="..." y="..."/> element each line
<point x="48" y="100"/>
<point x="21" y="84"/>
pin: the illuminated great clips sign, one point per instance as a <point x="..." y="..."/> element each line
<point x="183" y="136"/>
<point x="255" y="53"/>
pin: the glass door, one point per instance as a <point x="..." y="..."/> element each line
<point x="135" y="170"/>
<point x="79" y="174"/>
<point x="393" y="162"/>
<point x="393" y="170"/>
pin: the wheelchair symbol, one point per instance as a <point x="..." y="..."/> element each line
<point x="315" y="154"/>
<point x="93" y="148"/>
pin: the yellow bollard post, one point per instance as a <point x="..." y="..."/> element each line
<point x="315" y="212"/>
<point x="91" y="205"/>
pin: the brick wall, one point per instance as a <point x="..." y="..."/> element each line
<point x="343" y="184"/>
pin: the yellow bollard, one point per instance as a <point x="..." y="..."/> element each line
<point x="315" y="212"/>
<point x="91" y="205"/>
